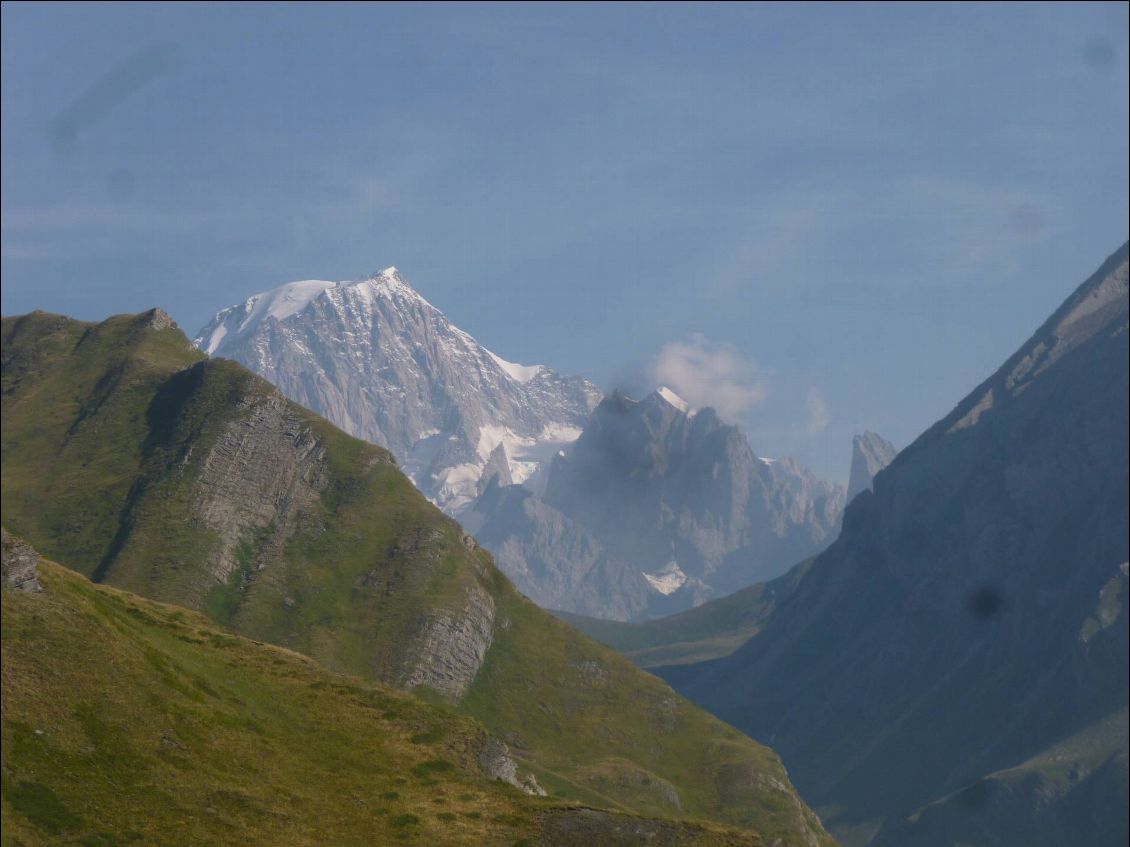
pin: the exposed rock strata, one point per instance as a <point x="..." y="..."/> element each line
<point x="264" y="469"/>
<point x="453" y="645"/>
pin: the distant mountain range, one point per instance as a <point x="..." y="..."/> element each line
<point x="954" y="668"/>
<point x="656" y="508"/>
<point x="378" y="360"/>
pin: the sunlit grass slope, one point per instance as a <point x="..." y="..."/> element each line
<point x="127" y="721"/>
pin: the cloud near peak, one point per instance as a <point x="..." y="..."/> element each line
<point x="705" y="373"/>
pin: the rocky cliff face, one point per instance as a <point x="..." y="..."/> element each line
<point x="870" y="453"/>
<point x="378" y="360"/>
<point x="453" y="645"/>
<point x="263" y="471"/>
<point x="970" y="620"/>
<point x="656" y="508"/>
<point x="20" y="563"/>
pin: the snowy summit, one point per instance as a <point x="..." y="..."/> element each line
<point x="377" y="359"/>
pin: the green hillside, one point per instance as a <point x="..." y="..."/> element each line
<point x="191" y="481"/>
<point x="132" y="722"/>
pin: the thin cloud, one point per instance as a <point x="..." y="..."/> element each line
<point x="817" y="407"/>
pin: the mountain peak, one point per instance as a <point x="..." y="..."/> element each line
<point x="375" y="357"/>
<point x="870" y="453"/>
<point x="390" y="281"/>
<point x="390" y="277"/>
<point x="290" y="299"/>
<point x="673" y="399"/>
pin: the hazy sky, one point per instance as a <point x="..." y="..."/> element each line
<point x="822" y="218"/>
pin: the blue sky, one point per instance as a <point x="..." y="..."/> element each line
<point x="831" y="217"/>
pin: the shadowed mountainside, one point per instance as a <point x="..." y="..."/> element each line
<point x="953" y="667"/>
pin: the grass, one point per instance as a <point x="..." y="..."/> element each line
<point x="127" y="721"/>
<point x="602" y="732"/>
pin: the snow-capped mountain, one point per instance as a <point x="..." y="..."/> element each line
<point x="381" y="362"/>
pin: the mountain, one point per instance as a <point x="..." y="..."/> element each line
<point x="657" y="507"/>
<point x="131" y="457"/>
<point x="129" y="721"/>
<point x="870" y="453"/>
<point x="551" y="558"/>
<point x="377" y="359"/>
<point x="718" y="627"/>
<point x="381" y="362"/>
<point x="953" y="669"/>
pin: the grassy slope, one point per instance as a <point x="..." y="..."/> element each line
<point x="709" y="631"/>
<point x="105" y="429"/>
<point x="128" y="721"/>
<point x="70" y="441"/>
